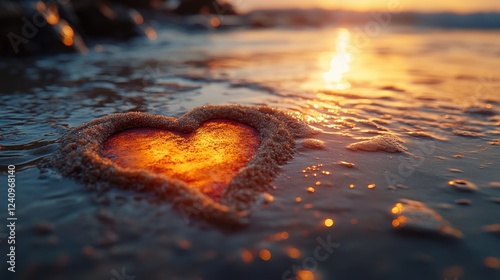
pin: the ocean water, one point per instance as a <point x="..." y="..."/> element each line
<point x="436" y="90"/>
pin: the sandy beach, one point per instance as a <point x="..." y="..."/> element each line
<point x="399" y="181"/>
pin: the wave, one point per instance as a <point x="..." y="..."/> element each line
<point x="321" y="17"/>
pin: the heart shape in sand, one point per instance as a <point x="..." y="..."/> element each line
<point x="211" y="162"/>
<point x="206" y="159"/>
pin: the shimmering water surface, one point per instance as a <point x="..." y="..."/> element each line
<point x="435" y="91"/>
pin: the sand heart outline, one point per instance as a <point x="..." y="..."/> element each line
<point x="81" y="156"/>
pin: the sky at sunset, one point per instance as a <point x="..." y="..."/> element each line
<point x="413" y="5"/>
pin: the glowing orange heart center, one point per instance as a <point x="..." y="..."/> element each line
<point x="206" y="159"/>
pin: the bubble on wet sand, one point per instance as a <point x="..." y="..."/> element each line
<point x="414" y="217"/>
<point x="495" y="142"/>
<point x="346" y="164"/>
<point x="455" y="170"/>
<point x="463" y="185"/>
<point x="463" y="201"/>
<point x="387" y="143"/>
<point x="313" y="144"/>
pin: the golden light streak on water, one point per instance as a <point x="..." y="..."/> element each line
<point x="339" y="63"/>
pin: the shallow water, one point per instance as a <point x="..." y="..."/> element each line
<point x="436" y="90"/>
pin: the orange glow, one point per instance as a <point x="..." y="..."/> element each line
<point x="339" y="63"/>
<point x="279" y="236"/>
<point x="310" y="189"/>
<point x="67" y="34"/>
<point x="395" y="223"/>
<point x="40" y="6"/>
<point x="293" y="253"/>
<point x="107" y="11"/>
<point x="265" y="255"/>
<point x="52" y="19"/>
<point x="206" y="159"/>
<point x="137" y="17"/>
<point x="204" y="10"/>
<point x="305" y="275"/>
<point x="215" y="22"/>
<point x="318" y="183"/>
<point x="371" y="186"/>
<point x="52" y="15"/>
<point x="151" y="33"/>
<point x="351" y="186"/>
<point x="492" y="262"/>
<point x="184" y="244"/>
<point x="397" y="209"/>
<point x="298" y="199"/>
<point x="328" y="222"/>
<point x="246" y="256"/>
<point x="284" y="235"/>
<point x="67" y="31"/>
<point x="67" y="41"/>
<point x="399" y="222"/>
<point x="367" y="5"/>
<point x="308" y="206"/>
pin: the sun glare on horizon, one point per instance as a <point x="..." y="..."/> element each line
<point x="366" y="5"/>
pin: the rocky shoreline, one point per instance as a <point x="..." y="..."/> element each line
<point x="30" y="27"/>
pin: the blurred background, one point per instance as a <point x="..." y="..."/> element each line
<point x="33" y="27"/>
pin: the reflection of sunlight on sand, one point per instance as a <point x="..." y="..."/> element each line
<point x="339" y="64"/>
<point x="207" y="159"/>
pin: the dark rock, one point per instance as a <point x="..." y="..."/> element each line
<point x="30" y="27"/>
<point x="109" y="20"/>
<point x="33" y="27"/>
<point x="149" y="4"/>
<point x="195" y="7"/>
<point x="43" y="228"/>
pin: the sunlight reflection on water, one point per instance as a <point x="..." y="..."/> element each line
<point x="340" y="63"/>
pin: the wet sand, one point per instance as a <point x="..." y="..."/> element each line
<point x="435" y="90"/>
